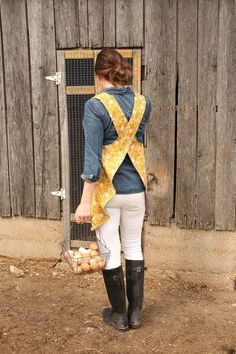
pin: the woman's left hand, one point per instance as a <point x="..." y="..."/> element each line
<point x="83" y="213"/>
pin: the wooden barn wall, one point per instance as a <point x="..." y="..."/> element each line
<point x="189" y="54"/>
<point x="17" y="96"/>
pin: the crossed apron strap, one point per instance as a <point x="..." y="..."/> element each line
<point x="118" y="117"/>
<point x="114" y="153"/>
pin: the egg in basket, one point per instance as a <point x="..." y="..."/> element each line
<point x="87" y="259"/>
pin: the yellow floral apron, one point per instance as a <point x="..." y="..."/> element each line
<point x="114" y="153"/>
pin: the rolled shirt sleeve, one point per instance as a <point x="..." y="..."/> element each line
<point x="93" y="136"/>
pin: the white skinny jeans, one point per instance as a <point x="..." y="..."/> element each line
<point x="126" y="211"/>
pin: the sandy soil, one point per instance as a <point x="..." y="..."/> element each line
<point x="50" y="310"/>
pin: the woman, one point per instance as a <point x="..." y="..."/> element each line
<point x="115" y="182"/>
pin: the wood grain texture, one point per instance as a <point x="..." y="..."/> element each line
<point x="65" y="156"/>
<point x="83" y="23"/>
<point x="129" y="23"/>
<point x="45" y="107"/>
<point x="95" y="21"/>
<point x="197" y="185"/>
<point x="109" y="23"/>
<point x="159" y="84"/>
<point x="225" y="203"/>
<point x="206" y="142"/>
<point x="67" y="23"/>
<point x="19" y="124"/>
<point x="5" y="205"/>
<point x="186" y="197"/>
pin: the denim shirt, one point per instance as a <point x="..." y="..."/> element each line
<point x="99" y="130"/>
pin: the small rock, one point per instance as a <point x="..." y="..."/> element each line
<point x="170" y="274"/>
<point x="90" y="329"/>
<point x="18" y="272"/>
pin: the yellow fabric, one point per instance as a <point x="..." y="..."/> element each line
<point x="114" y="153"/>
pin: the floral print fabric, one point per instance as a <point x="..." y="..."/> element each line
<point x="114" y="153"/>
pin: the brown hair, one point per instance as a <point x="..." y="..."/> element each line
<point x="113" y="67"/>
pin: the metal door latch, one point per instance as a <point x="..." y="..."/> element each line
<point x="61" y="193"/>
<point x="56" y="78"/>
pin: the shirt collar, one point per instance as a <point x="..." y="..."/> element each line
<point x="118" y="90"/>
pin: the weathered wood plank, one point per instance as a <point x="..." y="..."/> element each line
<point x="5" y="205"/>
<point x="45" y="107"/>
<point x="109" y="23"/>
<point x="19" y="123"/>
<point x="159" y="84"/>
<point x="129" y="22"/>
<point x="66" y="23"/>
<point x="83" y="23"/>
<point x="206" y="143"/>
<point x="65" y="156"/>
<point x="225" y="202"/>
<point x="95" y="20"/>
<point x="187" y="115"/>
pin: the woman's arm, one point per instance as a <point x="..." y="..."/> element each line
<point x="83" y="212"/>
<point x="93" y="134"/>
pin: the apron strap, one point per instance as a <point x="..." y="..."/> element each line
<point x="117" y="116"/>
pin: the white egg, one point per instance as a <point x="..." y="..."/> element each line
<point x="92" y="262"/>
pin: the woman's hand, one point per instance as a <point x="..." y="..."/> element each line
<point x="83" y="212"/>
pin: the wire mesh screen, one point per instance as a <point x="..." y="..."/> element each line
<point x="80" y="86"/>
<point x="130" y="61"/>
<point x="75" y="104"/>
<point x="79" y="72"/>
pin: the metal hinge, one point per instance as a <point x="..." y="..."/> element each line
<point x="56" y="78"/>
<point x="61" y="193"/>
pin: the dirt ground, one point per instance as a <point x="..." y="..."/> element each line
<point x="50" y="310"/>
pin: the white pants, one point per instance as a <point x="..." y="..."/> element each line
<point x="126" y="211"/>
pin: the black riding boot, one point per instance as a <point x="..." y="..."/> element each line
<point x="114" y="282"/>
<point x="135" y="290"/>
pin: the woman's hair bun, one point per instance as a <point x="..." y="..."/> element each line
<point x="113" y="67"/>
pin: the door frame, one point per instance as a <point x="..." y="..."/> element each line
<point x="63" y="90"/>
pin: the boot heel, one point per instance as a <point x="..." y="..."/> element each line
<point x="119" y="321"/>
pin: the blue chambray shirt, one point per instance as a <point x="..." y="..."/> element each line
<point x="99" y="130"/>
